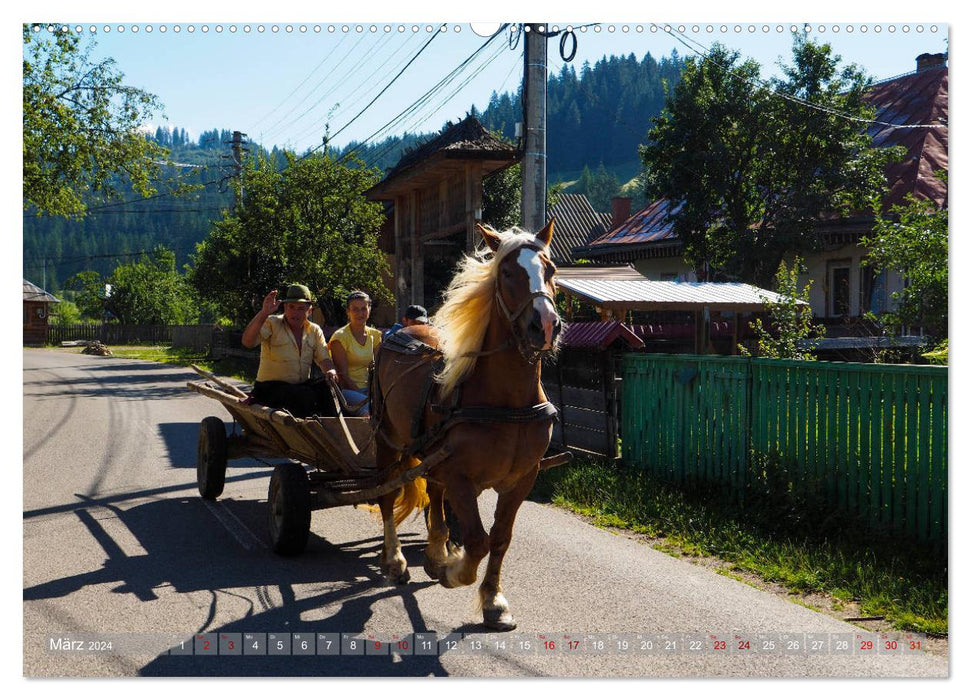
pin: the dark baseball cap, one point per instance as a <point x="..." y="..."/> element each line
<point x="417" y="313"/>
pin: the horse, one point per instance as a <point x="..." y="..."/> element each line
<point x="472" y="384"/>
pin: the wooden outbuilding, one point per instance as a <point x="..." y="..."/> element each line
<point x="437" y="194"/>
<point x="37" y="311"/>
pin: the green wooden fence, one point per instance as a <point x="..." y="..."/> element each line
<point x="869" y="439"/>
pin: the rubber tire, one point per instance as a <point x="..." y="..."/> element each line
<point x="211" y="458"/>
<point x="288" y="509"/>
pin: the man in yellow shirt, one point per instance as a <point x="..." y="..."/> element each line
<point x="289" y="344"/>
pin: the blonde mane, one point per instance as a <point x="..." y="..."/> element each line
<point x="464" y="315"/>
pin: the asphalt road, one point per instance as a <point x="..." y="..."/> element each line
<point x="117" y="542"/>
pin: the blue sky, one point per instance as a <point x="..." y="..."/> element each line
<point x="281" y="87"/>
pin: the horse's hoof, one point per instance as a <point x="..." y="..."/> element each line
<point x="434" y="571"/>
<point x="443" y="577"/>
<point x="498" y="619"/>
<point x="392" y="578"/>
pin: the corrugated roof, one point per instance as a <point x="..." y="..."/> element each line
<point x="652" y="295"/>
<point x="649" y="225"/>
<point x="599" y="334"/>
<point x="618" y="272"/>
<point x="34" y="293"/>
<point x="916" y="98"/>
<point x="576" y="225"/>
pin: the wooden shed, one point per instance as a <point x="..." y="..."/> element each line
<point x="37" y="308"/>
<point x="437" y="194"/>
<point x="582" y="382"/>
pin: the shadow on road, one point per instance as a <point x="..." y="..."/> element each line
<point x="117" y="380"/>
<point x="186" y="549"/>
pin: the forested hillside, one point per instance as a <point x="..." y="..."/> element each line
<point x="597" y="115"/>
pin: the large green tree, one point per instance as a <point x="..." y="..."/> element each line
<point x="308" y="223"/>
<point x="147" y="291"/>
<point x="81" y="126"/>
<point x="912" y="239"/>
<point x="752" y="164"/>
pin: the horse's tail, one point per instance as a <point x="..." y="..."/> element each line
<point x="412" y="497"/>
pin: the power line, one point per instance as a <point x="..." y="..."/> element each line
<point x="309" y="75"/>
<point x="273" y="128"/>
<point x="365" y="81"/>
<point x="758" y="82"/>
<point x="417" y="104"/>
<point x="415" y="118"/>
<point x="390" y="83"/>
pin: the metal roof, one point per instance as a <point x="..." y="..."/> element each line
<point x="916" y="98"/>
<point x="618" y="272"/>
<point x="576" y="223"/>
<point x="34" y="293"/>
<point x="648" y="295"/>
<point x="649" y="225"/>
<point x="599" y="334"/>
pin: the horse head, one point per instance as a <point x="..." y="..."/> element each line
<point x="525" y="291"/>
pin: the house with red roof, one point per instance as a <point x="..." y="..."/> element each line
<point x="844" y="287"/>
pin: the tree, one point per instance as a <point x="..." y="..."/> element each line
<point x="80" y="126"/>
<point x="308" y="223"/>
<point x="149" y="291"/>
<point x="753" y="164"/>
<point x="912" y="239"/>
<point x="791" y="319"/>
<point x="502" y="198"/>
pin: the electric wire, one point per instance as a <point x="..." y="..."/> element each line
<point x="375" y="99"/>
<point x="758" y="82"/>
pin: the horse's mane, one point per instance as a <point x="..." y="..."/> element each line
<point x="467" y="307"/>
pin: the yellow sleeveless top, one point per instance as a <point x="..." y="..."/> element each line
<point x="358" y="356"/>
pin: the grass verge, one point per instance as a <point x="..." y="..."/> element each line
<point x="804" y="551"/>
<point x="184" y="357"/>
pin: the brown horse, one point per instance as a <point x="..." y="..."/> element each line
<point x="474" y="388"/>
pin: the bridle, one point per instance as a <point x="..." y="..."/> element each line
<point x="530" y="355"/>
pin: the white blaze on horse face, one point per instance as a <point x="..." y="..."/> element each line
<point x="529" y="259"/>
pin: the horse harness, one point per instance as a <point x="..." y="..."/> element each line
<point x="452" y="413"/>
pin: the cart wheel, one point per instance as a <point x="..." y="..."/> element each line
<point x="211" y="458"/>
<point x="289" y="509"/>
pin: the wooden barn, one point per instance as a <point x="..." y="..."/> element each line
<point x="37" y="311"/>
<point x="436" y="190"/>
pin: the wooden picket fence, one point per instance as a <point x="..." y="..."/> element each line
<point x="868" y="439"/>
<point x="110" y="333"/>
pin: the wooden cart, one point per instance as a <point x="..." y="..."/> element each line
<point x="333" y="460"/>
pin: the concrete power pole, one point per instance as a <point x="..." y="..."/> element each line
<point x="534" y="129"/>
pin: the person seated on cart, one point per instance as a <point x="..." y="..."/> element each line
<point x="414" y="315"/>
<point x="352" y="348"/>
<point x="289" y="344"/>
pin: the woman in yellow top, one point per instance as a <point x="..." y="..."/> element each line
<point x="352" y="350"/>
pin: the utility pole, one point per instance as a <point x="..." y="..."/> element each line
<point x="237" y="166"/>
<point x="534" y="128"/>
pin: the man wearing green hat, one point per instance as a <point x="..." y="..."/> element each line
<point x="289" y="344"/>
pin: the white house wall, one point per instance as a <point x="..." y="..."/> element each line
<point x="665" y="269"/>
<point x="818" y="267"/>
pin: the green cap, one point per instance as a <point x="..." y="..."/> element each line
<point x="297" y="292"/>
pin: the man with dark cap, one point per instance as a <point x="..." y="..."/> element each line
<point x="414" y="316"/>
<point x="289" y="344"/>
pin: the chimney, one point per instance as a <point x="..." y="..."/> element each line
<point x="620" y="210"/>
<point x="931" y="60"/>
